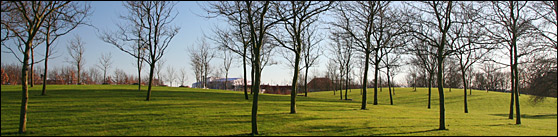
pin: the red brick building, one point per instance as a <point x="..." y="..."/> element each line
<point x="320" y="84"/>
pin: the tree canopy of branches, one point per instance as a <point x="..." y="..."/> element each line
<point x="59" y="24"/>
<point x="298" y="15"/>
<point x="470" y="41"/>
<point x="433" y="27"/>
<point x="255" y="16"/>
<point x="151" y="30"/>
<point x="357" y="19"/>
<point x="200" y="58"/>
<point x="237" y="37"/>
<point x="513" y="19"/>
<point x="342" y="54"/>
<point x="104" y="65"/>
<point x="310" y="53"/>
<point x="23" y="22"/>
<point x="76" y="49"/>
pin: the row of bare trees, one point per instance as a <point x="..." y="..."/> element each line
<point x="146" y="34"/>
<point x="470" y="32"/>
<point x="28" y="24"/>
<point x="444" y="40"/>
<point x="436" y="35"/>
<point x="67" y="75"/>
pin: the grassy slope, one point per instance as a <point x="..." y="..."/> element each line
<point x="121" y="110"/>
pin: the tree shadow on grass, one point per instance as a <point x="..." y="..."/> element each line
<point x="343" y="129"/>
<point x="27" y="133"/>
<point x="10" y="133"/>
<point x="541" y="116"/>
<point x="246" y="134"/>
<point x="402" y="133"/>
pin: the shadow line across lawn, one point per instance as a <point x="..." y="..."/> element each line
<point x="412" y="132"/>
<point x="541" y="116"/>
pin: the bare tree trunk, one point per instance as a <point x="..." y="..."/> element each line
<point x="79" y="75"/>
<point x="46" y="70"/>
<point x="364" y="80"/>
<point x="512" y="86"/>
<point x="380" y="85"/>
<point x="441" y="89"/>
<point x="31" y="79"/>
<point x="294" y="83"/>
<point x="376" y="79"/>
<point x="252" y="77"/>
<point x="245" y="79"/>
<point x="226" y="80"/>
<point x="306" y="82"/>
<point x="24" y="91"/>
<point x="347" y="81"/>
<point x="256" y="89"/>
<point x="464" y="90"/>
<point x="389" y="87"/>
<point x="518" y="115"/>
<point x="415" y="85"/>
<point x="429" y="88"/>
<point x="334" y="85"/>
<point x="340" y="87"/>
<point x="140" y="63"/>
<point x="151" y="67"/>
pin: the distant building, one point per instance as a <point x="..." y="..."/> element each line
<point x="219" y="83"/>
<point x="277" y="89"/>
<point x="320" y="84"/>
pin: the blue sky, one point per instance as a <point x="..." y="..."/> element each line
<point x="105" y="16"/>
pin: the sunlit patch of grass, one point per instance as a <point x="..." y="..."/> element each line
<point x="102" y="110"/>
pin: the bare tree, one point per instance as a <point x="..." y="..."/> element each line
<point x="356" y="19"/>
<point x="95" y="75"/>
<point x="299" y="15"/>
<point x="170" y="75"/>
<point x="18" y="43"/>
<point x="237" y="39"/>
<point x="227" y="62"/>
<point x="195" y="61"/>
<point x="158" y="68"/>
<point x="258" y="21"/>
<point x="424" y="58"/>
<point x="139" y="63"/>
<point x="310" y="53"/>
<point x="31" y="68"/>
<point x="76" y="49"/>
<point x="183" y="76"/>
<point x="151" y="31"/>
<point x="59" y="24"/>
<point x="548" y="11"/>
<point x="434" y="26"/>
<point x="331" y="73"/>
<point x="342" y="51"/>
<point x="256" y="14"/>
<point x="200" y="58"/>
<point x="23" y="20"/>
<point x="452" y="77"/>
<point x="513" y="18"/>
<point x="471" y="43"/>
<point x="104" y="64"/>
<point x="387" y="27"/>
<point x="130" y="37"/>
<point x="392" y="63"/>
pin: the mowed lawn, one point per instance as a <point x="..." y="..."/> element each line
<point x="102" y="110"/>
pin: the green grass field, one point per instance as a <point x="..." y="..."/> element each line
<point x="102" y="110"/>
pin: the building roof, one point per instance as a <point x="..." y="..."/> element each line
<point x="320" y="80"/>
<point x="227" y="79"/>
